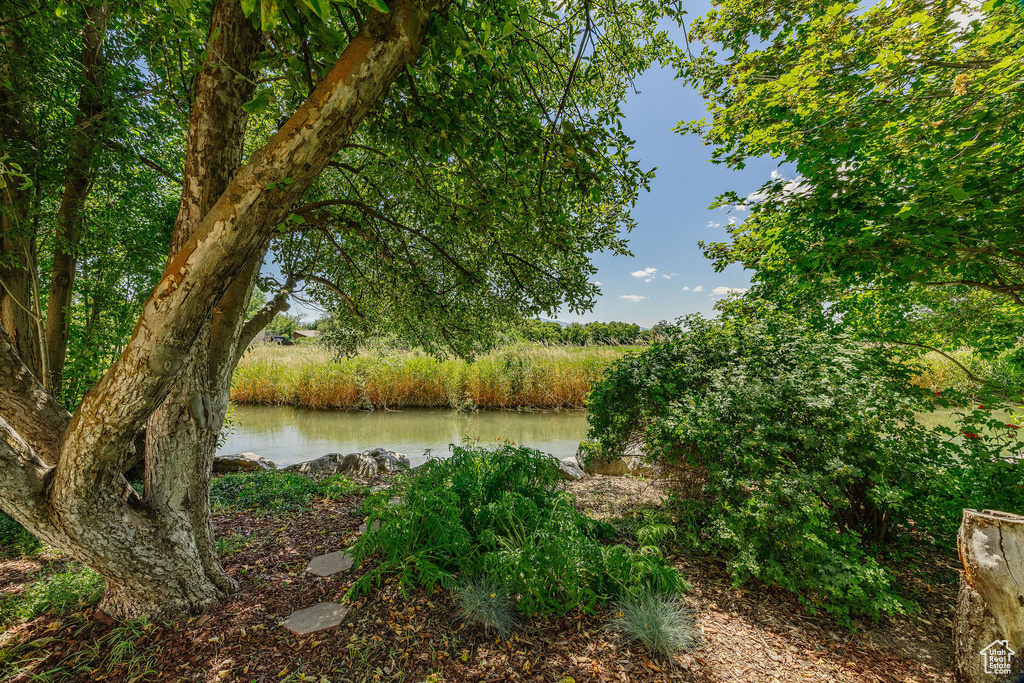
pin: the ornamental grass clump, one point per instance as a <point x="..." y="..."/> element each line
<point x="488" y="604"/>
<point x="661" y="622"/>
<point x="501" y="513"/>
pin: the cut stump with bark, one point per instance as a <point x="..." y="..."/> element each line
<point x="988" y="630"/>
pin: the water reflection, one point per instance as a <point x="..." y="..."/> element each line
<point x="288" y="435"/>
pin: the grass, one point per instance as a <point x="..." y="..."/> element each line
<point x="16" y="540"/>
<point x="525" y="375"/>
<point x="273" y="492"/>
<point x="937" y="373"/>
<point x="488" y="604"/>
<point x="74" y="588"/>
<point x="661" y="622"/>
<point x="116" y="655"/>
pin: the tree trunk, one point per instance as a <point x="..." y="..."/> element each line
<point x="989" y="622"/>
<point x="17" y="238"/>
<point x="80" y="174"/>
<point x="65" y="481"/>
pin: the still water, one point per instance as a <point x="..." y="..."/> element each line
<point x="288" y="435"/>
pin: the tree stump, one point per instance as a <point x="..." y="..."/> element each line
<point x="988" y="630"/>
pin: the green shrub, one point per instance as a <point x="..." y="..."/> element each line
<point x="488" y="604"/>
<point x="501" y="514"/>
<point x="804" y="448"/>
<point x="272" y="492"/>
<point x="661" y="622"/>
<point x="15" y="539"/>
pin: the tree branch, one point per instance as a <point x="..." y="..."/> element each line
<point x="229" y="235"/>
<point x="262" y="317"/>
<point x="113" y="144"/>
<point x="29" y="408"/>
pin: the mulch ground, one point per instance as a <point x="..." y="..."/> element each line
<point x="750" y="633"/>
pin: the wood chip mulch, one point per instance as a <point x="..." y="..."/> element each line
<point x="749" y="633"/>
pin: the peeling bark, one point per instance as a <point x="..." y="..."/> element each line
<point x="990" y="606"/>
<point x="157" y="554"/>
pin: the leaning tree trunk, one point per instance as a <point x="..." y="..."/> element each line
<point x="62" y="475"/>
<point x="988" y="630"/>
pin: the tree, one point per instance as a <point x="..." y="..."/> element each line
<point x="443" y="169"/>
<point x="902" y="125"/>
<point x="284" y="325"/>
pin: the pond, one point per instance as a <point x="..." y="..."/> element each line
<point x="288" y="435"/>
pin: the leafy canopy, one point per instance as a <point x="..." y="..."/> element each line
<point x="899" y="129"/>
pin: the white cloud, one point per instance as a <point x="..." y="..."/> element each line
<point x="698" y="288"/>
<point x="598" y="284"/>
<point x="686" y="289"/>
<point x="670" y="276"/>
<point x="789" y="187"/>
<point x="725" y="291"/>
<point x="647" y="274"/>
<point x="712" y="224"/>
<point x="740" y="207"/>
<point x="732" y="221"/>
<point x="632" y="297"/>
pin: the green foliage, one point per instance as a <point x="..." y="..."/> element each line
<point x="806" y="444"/>
<point x="550" y="332"/>
<point x="120" y="653"/>
<point x="273" y="492"/>
<point x="501" y="515"/>
<point x="15" y="539"/>
<point x="229" y="545"/>
<point x="488" y="604"/>
<point x="896" y="126"/>
<point x="661" y="622"/>
<point x="76" y="587"/>
<point x="284" y="325"/>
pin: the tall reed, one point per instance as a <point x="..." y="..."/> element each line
<point x="524" y="375"/>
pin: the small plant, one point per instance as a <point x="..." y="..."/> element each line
<point x="661" y="622"/>
<point x="229" y="545"/>
<point x="486" y="603"/>
<point x="76" y="587"/>
<point x="16" y="540"/>
<point x="273" y="492"/>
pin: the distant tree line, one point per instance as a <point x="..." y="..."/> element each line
<point x="577" y="334"/>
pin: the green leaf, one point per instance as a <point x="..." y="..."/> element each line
<point x="268" y="14"/>
<point x="322" y="8"/>
<point x="959" y="193"/>
<point x="378" y="5"/>
<point x="259" y="103"/>
<point x="248" y="7"/>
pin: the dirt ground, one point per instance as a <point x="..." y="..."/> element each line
<point x="750" y="633"/>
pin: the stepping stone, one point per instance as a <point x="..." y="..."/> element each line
<point x="326" y="615"/>
<point x="331" y="563"/>
<point x="363" y="527"/>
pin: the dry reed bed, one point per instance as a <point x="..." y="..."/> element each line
<point x="512" y="377"/>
